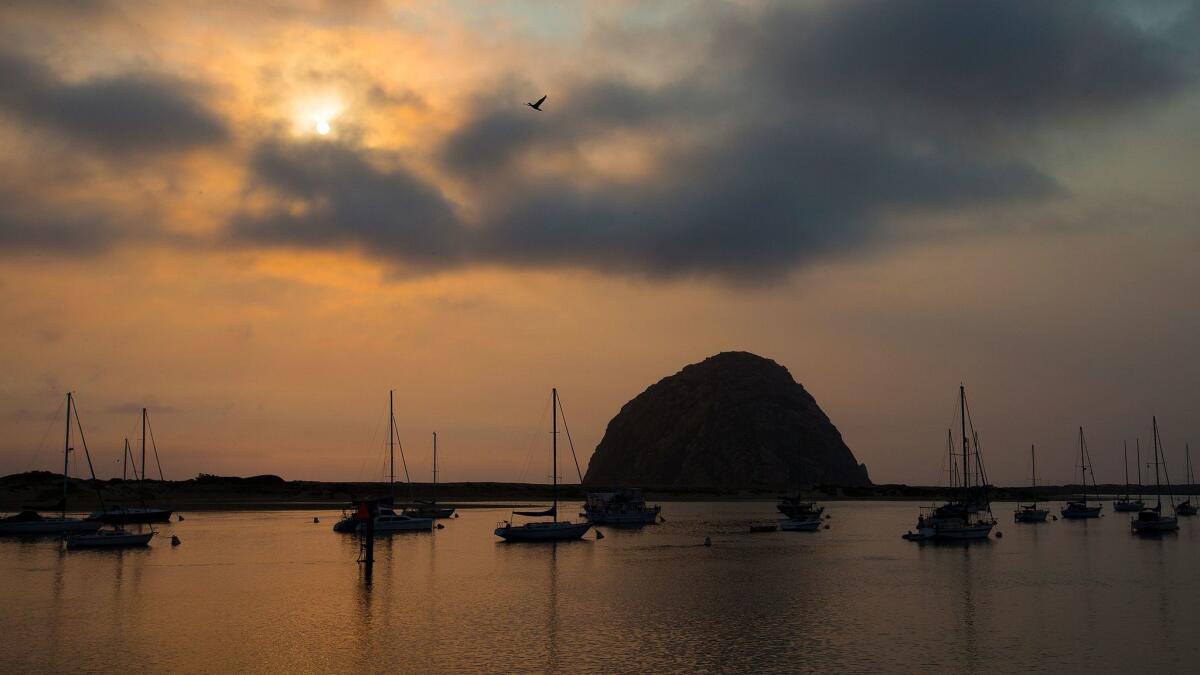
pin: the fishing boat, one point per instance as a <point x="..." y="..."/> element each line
<point x="623" y="506"/>
<point x="431" y="509"/>
<point x="555" y="530"/>
<point x="126" y="515"/>
<point x="1186" y="507"/>
<point x="1080" y="509"/>
<point x="1126" y="504"/>
<point x="29" y="522"/>
<point x="1031" y="513"/>
<point x="1151" y="520"/>
<point x="968" y="517"/>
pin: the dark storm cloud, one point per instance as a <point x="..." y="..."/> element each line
<point x="332" y="195"/>
<point x="995" y="62"/>
<point x="126" y="113"/>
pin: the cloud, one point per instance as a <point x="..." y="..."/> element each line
<point x="120" y="114"/>
<point x="993" y="63"/>
<point x="326" y="194"/>
<point x="34" y="225"/>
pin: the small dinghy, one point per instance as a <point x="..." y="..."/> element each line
<point x="922" y="534"/>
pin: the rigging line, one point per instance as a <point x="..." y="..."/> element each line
<point x="49" y="426"/>
<point x="155" y="446"/>
<point x="531" y="445"/>
<point x="403" y="462"/>
<point x="569" y="441"/>
<point x="83" y="440"/>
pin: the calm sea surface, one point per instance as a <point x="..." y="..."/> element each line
<point x="274" y="592"/>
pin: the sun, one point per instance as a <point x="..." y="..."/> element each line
<point x="323" y="127"/>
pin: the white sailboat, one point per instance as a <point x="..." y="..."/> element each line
<point x="1080" y="509"/>
<point x="1151" y="520"/>
<point x="31" y="523"/>
<point x="555" y="529"/>
<point x="388" y="520"/>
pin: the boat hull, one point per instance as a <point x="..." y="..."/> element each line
<point x="48" y="526"/>
<point x="108" y="539"/>
<point x="132" y="516"/>
<point x="647" y="517"/>
<point x="804" y="525"/>
<point x="1185" y="510"/>
<point x="387" y="525"/>
<point x="539" y="532"/>
<point x="435" y="512"/>
<point x="1030" y="515"/>
<point x="1128" y="507"/>
<point x="1167" y="524"/>
<point x="1079" y="512"/>
<point x="963" y="532"/>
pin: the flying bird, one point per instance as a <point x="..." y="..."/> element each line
<point x="537" y="106"/>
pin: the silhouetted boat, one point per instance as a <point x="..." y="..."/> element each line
<point x="960" y="519"/>
<point x="1151" y="520"/>
<point x="1126" y="504"/>
<point x="1031" y="513"/>
<point x="128" y="515"/>
<point x="1080" y="509"/>
<point x="110" y="538"/>
<point x="807" y="524"/>
<point x="430" y="509"/>
<point x="386" y="519"/>
<point x="29" y="522"/>
<point x="799" y="508"/>
<point x="624" y="506"/>
<point x="1186" y="507"/>
<point x="555" y="530"/>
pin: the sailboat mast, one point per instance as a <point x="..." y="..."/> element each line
<point x="391" y="446"/>
<point x="1138" y="447"/>
<point x="1082" y="466"/>
<point x="962" y="404"/>
<point x="554" y="448"/>
<point x="1157" y="482"/>
<point x="435" y="467"/>
<point x="66" y="455"/>
<point x="1125" y="451"/>
<point x="141" y="489"/>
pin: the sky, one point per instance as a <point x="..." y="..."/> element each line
<point x="257" y="218"/>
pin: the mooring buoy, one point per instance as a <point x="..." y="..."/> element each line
<point x="175" y="540"/>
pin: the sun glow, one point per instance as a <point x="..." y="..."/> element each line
<point x="316" y="114"/>
<point x="323" y="127"/>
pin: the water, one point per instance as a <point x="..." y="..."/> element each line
<point x="271" y="591"/>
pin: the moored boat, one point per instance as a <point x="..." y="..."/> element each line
<point x="1186" y="507"/>
<point x="431" y="509"/>
<point x="28" y="522"/>
<point x="130" y="515"/>
<point x="555" y="530"/>
<point x="1151" y="520"/>
<point x="114" y="537"/>
<point x="1031" y="513"/>
<point x="1126" y="504"/>
<point x="624" y="506"/>
<point x="969" y="517"/>
<point x="1079" y="509"/>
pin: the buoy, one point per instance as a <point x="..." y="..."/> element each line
<point x="316" y="520"/>
<point x="599" y="535"/>
<point x="999" y="534"/>
<point x="456" y="515"/>
<point x="175" y="540"/>
<point x="661" y="519"/>
<point x="441" y="526"/>
<point x="180" y="517"/>
<point x="827" y="527"/>
<point x="708" y="541"/>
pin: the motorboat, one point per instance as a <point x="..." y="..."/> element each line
<point x="624" y="506"/>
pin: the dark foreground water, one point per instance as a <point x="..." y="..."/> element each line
<point x="273" y="592"/>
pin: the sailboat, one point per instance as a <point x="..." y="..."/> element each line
<point x="960" y="519"/>
<point x="136" y="514"/>
<point x="1151" y="520"/>
<point x="1030" y="513"/>
<point x="1077" y="510"/>
<point x="1186" y="507"/>
<point x="29" y="522"/>
<point x="110" y="537"/>
<point x="1127" y="504"/>
<point x="555" y="530"/>
<point x="430" y="509"/>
